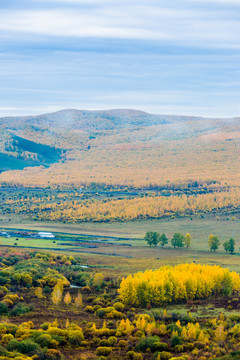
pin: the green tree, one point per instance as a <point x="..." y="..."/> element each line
<point x="229" y="246"/>
<point x="213" y="242"/>
<point x="187" y="240"/>
<point x="177" y="240"/>
<point x="226" y="246"/>
<point x="152" y="238"/>
<point x="163" y="240"/>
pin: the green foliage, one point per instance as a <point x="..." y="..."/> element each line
<point x="19" y="309"/>
<point x="3" y="309"/>
<point x="177" y="240"/>
<point x="75" y="337"/>
<point x="102" y="350"/>
<point x="163" y="240"/>
<point x="148" y="342"/>
<point x="213" y="243"/>
<point x="175" y="340"/>
<point x="25" y="347"/>
<point x="229" y="246"/>
<point x="152" y="238"/>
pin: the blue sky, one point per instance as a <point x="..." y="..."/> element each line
<point x="168" y="57"/>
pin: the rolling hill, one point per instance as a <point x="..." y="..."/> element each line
<point x="118" y="148"/>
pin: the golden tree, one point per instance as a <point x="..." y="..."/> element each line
<point x="67" y="298"/>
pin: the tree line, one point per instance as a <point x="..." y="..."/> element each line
<point x="178" y="240"/>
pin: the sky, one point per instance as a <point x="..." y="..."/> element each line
<point x="165" y="57"/>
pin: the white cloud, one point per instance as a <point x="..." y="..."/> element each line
<point x="186" y="27"/>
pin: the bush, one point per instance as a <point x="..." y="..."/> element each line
<point x="76" y="337"/>
<point x="175" y="340"/>
<point x="104" y="342"/>
<point x="148" y="342"/>
<point x="7" y="338"/>
<point x="89" y="308"/>
<point x="3" y="309"/>
<point x="45" y="340"/>
<point x="19" y="309"/>
<point x="134" y="356"/>
<point x="179" y="348"/>
<point x="164" y="355"/>
<point x="47" y="290"/>
<point x="105" y="351"/>
<point x="53" y="354"/>
<point x="112" y="340"/>
<point x="160" y="346"/>
<point x="100" y="312"/>
<point x="118" y="306"/>
<point x="24" y="347"/>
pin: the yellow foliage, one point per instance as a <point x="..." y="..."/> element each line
<point x="98" y="279"/>
<point x="67" y="298"/>
<point x="169" y="284"/>
<point x="78" y="300"/>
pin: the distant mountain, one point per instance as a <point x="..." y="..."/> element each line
<point x="43" y="139"/>
<point x="86" y="120"/>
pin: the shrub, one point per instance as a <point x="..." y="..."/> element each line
<point x="175" y="340"/>
<point x="3" y="309"/>
<point x="75" y="337"/>
<point x="122" y="343"/>
<point x="53" y="354"/>
<point x="148" y="342"/>
<point x="160" y="346"/>
<point x="179" y="348"/>
<point x="19" y="309"/>
<point x="24" y="347"/>
<point x="44" y="340"/>
<point x="47" y="290"/>
<point x="100" y="312"/>
<point x="105" y="351"/>
<point x="104" y="342"/>
<point x="134" y="356"/>
<point x="112" y="340"/>
<point x="7" y="338"/>
<point x="118" y="306"/>
<point x="116" y="315"/>
<point x="89" y="309"/>
<point x="164" y="355"/>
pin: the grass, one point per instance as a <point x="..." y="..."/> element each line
<point x="200" y="229"/>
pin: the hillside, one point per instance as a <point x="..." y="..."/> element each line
<point x="119" y="148"/>
<point x="18" y="153"/>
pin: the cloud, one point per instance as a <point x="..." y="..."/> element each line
<point x="151" y="23"/>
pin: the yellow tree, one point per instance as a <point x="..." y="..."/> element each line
<point x="57" y="295"/>
<point x="220" y="334"/>
<point x="67" y="298"/>
<point x="187" y="240"/>
<point x="98" y="279"/>
<point x="38" y="293"/>
<point x="78" y="300"/>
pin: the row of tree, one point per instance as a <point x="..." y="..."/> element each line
<point x="178" y="240"/>
<point x="214" y="243"/>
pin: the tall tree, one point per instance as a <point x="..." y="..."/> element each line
<point x="229" y="246"/>
<point x="163" y="240"/>
<point x="187" y="240"/>
<point x="152" y="238"/>
<point x="177" y="240"/>
<point x="213" y="242"/>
